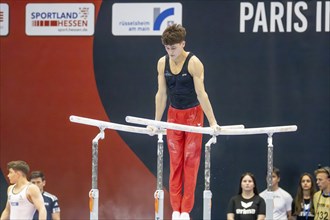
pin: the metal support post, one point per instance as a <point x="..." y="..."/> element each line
<point x="207" y="196"/>
<point x="94" y="192"/>
<point x="269" y="194"/>
<point x="159" y="194"/>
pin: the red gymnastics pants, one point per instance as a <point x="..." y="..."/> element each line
<point x="185" y="153"/>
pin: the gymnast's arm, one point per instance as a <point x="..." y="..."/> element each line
<point x="261" y="217"/>
<point x="56" y="216"/>
<point x="196" y="69"/>
<point x="36" y="198"/>
<point x="161" y="95"/>
<point x="6" y="212"/>
<point x="289" y="214"/>
<point x="230" y="216"/>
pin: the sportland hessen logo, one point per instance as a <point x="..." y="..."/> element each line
<point x="144" y="19"/>
<point x="76" y="19"/>
<point x="4" y="19"/>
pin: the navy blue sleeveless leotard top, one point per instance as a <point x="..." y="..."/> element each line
<point x="180" y="86"/>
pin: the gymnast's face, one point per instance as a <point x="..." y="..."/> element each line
<point x="306" y="182"/>
<point x="247" y="183"/>
<point x="275" y="180"/>
<point x="39" y="182"/>
<point x="323" y="181"/>
<point x="13" y="175"/>
<point x="175" y="50"/>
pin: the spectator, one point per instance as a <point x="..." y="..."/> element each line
<point x="51" y="201"/>
<point x="247" y="205"/>
<point x="302" y="206"/>
<point x="322" y="197"/>
<point x="282" y="200"/>
<point x="24" y="198"/>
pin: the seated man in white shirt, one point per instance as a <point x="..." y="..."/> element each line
<point x="282" y="199"/>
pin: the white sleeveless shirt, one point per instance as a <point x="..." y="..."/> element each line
<point x="20" y="206"/>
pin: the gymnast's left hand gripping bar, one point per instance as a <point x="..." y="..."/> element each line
<point x="114" y="126"/>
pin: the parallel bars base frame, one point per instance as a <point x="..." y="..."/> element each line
<point x="162" y="126"/>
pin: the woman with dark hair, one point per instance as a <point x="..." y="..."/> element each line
<point x="302" y="205"/>
<point x="247" y="205"/>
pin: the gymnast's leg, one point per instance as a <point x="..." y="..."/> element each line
<point x="192" y="156"/>
<point x="175" y="142"/>
<point x="185" y="150"/>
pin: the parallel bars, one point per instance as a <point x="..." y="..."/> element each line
<point x="159" y="194"/>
